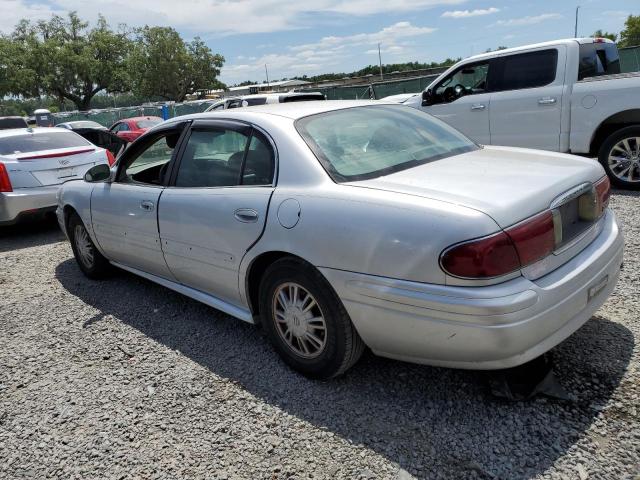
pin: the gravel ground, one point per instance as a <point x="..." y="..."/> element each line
<point x="126" y="379"/>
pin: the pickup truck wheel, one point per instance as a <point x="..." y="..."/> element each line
<point x="92" y="263"/>
<point x="620" y="157"/>
<point x="306" y="321"/>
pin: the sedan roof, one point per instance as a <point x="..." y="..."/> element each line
<point x="293" y="110"/>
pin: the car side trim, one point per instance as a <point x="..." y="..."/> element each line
<point x="228" y="308"/>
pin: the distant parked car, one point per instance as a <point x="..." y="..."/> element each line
<point x="12" y="122"/>
<point x="130" y="129"/>
<point x="264" y="99"/>
<point x="33" y="164"/>
<point x="78" y="124"/>
<point x="336" y="225"/>
<point x="97" y="134"/>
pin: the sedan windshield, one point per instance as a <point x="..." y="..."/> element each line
<point x="370" y="141"/>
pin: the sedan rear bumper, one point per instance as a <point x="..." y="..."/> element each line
<point x="24" y="201"/>
<point x="489" y="327"/>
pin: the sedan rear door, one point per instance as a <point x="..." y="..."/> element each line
<point x="215" y="207"/>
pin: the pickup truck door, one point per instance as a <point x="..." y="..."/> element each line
<point x="526" y="104"/>
<point x="124" y="212"/>
<point x="216" y="205"/>
<point x="462" y="100"/>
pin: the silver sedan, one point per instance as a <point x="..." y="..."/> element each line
<point x="340" y="225"/>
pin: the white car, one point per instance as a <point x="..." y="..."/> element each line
<point x="564" y="95"/>
<point x="264" y="99"/>
<point x="33" y="165"/>
<point x="340" y="224"/>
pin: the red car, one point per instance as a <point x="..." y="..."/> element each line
<point x="131" y="128"/>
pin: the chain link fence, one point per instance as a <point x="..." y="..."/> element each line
<point x="111" y="116"/>
<point x="630" y="59"/>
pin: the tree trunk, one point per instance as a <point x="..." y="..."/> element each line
<point x="84" y="103"/>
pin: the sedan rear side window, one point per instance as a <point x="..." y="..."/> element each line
<point x="225" y="158"/>
<point x="367" y="142"/>
<point x="37" y="142"/>
<point x="528" y="70"/>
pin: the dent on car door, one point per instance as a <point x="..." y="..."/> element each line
<point x="462" y="100"/>
<point x="124" y="212"/>
<point x="216" y="206"/>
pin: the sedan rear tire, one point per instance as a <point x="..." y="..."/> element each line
<point x="306" y="321"/>
<point x="92" y="263"/>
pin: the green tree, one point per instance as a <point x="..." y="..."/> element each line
<point x="64" y="58"/>
<point x="630" y="36"/>
<point x="601" y="34"/>
<point x="164" y="65"/>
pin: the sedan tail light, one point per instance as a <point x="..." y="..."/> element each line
<point x="110" y="158"/>
<point x="603" y="192"/>
<point x="504" y="252"/>
<point x="5" y="182"/>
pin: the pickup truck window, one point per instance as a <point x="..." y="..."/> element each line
<point x="598" y="59"/>
<point x="528" y="70"/>
<point x="467" y="80"/>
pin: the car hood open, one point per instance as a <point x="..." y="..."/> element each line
<point x="509" y="184"/>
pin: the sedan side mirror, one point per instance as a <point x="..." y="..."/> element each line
<point x="427" y="98"/>
<point x="98" y="173"/>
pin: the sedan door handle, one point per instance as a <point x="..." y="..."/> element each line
<point x="478" y="106"/>
<point x="547" y="101"/>
<point x="146" y="205"/>
<point x="246" y="215"/>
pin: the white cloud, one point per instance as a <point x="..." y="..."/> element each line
<point x="470" y="13"/>
<point x="326" y="53"/>
<point x="210" y="17"/>
<point x="516" y="22"/>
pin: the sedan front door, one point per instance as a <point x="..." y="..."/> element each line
<point x="215" y="207"/>
<point x="124" y="212"/>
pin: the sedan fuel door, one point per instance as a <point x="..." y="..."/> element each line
<point x="462" y="100"/>
<point x="124" y="211"/>
<point x="216" y="205"/>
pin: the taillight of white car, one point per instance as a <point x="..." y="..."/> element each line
<point x="5" y="182"/>
<point x="110" y="158"/>
<point x="515" y="247"/>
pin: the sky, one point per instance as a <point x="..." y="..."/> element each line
<point x="304" y="37"/>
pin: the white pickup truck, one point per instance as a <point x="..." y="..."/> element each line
<point x="565" y="96"/>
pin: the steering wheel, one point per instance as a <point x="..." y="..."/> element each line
<point x="453" y="93"/>
<point x="460" y="90"/>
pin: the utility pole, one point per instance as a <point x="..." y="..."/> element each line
<point x="380" y="62"/>
<point x="267" y="73"/>
<point x="575" y="32"/>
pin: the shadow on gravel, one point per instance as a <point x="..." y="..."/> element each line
<point x="433" y="422"/>
<point x="30" y="234"/>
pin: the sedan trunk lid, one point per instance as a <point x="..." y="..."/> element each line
<point x="508" y="184"/>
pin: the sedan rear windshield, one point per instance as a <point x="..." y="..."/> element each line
<point x="147" y="123"/>
<point x="37" y="142"/>
<point x="367" y="142"/>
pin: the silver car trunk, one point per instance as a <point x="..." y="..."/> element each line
<point x="508" y="185"/>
